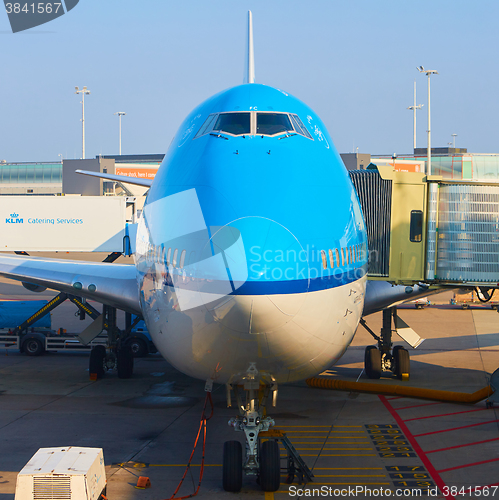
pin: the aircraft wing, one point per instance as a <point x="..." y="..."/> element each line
<point x="117" y="178"/>
<point x="382" y="294"/>
<point x="113" y="284"/>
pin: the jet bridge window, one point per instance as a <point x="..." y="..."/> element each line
<point x="273" y="123"/>
<point x="233" y="123"/>
<point x="416" y="230"/>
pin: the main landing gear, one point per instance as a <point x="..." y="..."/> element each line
<point x="383" y="357"/>
<point x="117" y="354"/>
<point x="261" y="459"/>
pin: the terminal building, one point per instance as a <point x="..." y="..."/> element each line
<point x="449" y="163"/>
<point x="57" y="178"/>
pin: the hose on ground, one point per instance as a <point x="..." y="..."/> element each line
<point x="401" y="390"/>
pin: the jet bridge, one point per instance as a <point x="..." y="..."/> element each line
<point x="424" y="232"/>
<point x="426" y="229"/>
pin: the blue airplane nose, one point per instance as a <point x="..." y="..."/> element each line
<point x="262" y="257"/>
<point x="265" y="263"/>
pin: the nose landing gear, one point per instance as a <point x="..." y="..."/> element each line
<point x="383" y="358"/>
<point x="261" y="460"/>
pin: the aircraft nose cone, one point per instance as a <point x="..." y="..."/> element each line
<point x="257" y="314"/>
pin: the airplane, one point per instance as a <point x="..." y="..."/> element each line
<point x="250" y="261"/>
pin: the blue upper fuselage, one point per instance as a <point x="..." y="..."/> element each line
<point x="286" y="198"/>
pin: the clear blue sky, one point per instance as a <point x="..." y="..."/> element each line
<point x="354" y="62"/>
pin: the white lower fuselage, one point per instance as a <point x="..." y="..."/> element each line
<point x="288" y="336"/>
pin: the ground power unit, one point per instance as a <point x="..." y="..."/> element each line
<point x="69" y="473"/>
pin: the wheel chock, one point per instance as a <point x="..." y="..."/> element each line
<point x="93" y="376"/>
<point x="143" y="483"/>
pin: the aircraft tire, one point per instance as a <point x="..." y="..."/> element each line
<point x="125" y="361"/>
<point x="372" y="362"/>
<point x="402" y="363"/>
<point x="270" y="466"/>
<point x="233" y="466"/>
<point x="96" y="361"/>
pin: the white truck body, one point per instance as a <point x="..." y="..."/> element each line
<point x="64" y="223"/>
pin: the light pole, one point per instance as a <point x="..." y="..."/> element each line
<point x="454" y="140"/>
<point x="414" y="108"/>
<point x="120" y="114"/>
<point x="428" y="72"/>
<point x="83" y="91"/>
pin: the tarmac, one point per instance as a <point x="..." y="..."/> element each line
<point x="357" y="445"/>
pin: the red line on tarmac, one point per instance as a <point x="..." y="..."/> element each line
<point x="445" y="414"/>
<point x="417" y="406"/>
<point x="470" y="465"/>
<point x="462" y="445"/>
<point x="456" y="428"/>
<point x="421" y="454"/>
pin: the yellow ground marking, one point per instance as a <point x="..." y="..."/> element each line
<point x="333" y="449"/>
<point x="327" y="426"/>
<point x="346" y="437"/>
<point x="307" y="432"/>
<point x="270" y="495"/>
<point x="348" y="468"/>
<point x="323" y="432"/>
<point x="347" y="455"/>
<point x="350" y="475"/>
<point x="329" y="442"/>
<point x="184" y="465"/>
<point x="320" y="439"/>
<point x="330" y="437"/>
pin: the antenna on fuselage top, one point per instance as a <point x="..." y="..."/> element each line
<point x="249" y="69"/>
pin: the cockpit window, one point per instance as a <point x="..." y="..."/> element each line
<point x="299" y="127"/>
<point x="273" y="123"/>
<point x="207" y="126"/>
<point x="233" y="123"/>
<point x="248" y="123"/>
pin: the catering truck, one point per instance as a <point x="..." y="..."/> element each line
<point x="40" y="337"/>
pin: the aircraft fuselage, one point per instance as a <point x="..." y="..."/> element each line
<point x="252" y="246"/>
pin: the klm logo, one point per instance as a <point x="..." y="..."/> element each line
<point x="13" y="219"/>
